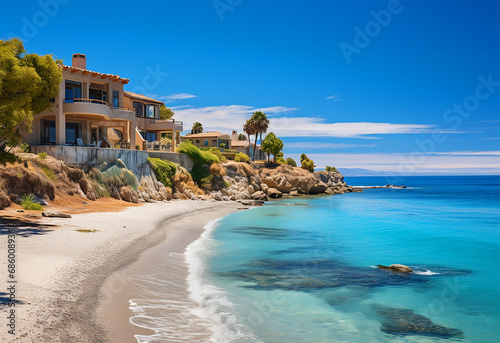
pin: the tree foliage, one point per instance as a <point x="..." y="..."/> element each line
<point x="197" y="128"/>
<point x="242" y="137"/>
<point x="290" y="161"/>
<point x="27" y="83"/>
<point x="259" y="124"/>
<point x="306" y="163"/>
<point x="272" y="145"/>
<point x="165" y="112"/>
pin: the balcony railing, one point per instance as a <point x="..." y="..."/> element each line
<point x="157" y="146"/>
<point x="100" y="102"/>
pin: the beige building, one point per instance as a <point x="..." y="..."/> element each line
<point x="148" y="123"/>
<point x="209" y="139"/>
<point x="245" y="147"/>
<point x="91" y="111"/>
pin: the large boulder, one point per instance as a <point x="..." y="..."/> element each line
<point x="87" y="189"/>
<point x="285" y="178"/>
<point x="274" y="193"/>
<point x="4" y="201"/>
<point x="129" y="194"/>
<point x="319" y="187"/>
<point x="259" y="195"/>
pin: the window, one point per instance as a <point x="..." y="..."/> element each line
<point x="139" y="109"/>
<point x="97" y="94"/>
<point x="149" y="136"/>
<point x="152" y="111"/>
<point x="206" y="142"/>
<point x="73" y="131"/>
<point x="73" y="90"/>
<point x="48" y="132"/>
<point x="115" y="99"/>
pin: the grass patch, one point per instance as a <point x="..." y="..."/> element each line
<point x="28" y="204"/>
<point x="86" y="230"/>
<point x="241" y="157"/>
<point x="164" y="170"/>
<point x="197" y="155"/>
<point x="49" y="172"/>
<point x="42" y="155"/>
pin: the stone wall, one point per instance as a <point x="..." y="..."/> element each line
<point x="88" y="157"/>
<point x="182" y="159"/>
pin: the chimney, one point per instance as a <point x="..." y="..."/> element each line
<point x="234" y="136"/>
<point x="79" y="61"/>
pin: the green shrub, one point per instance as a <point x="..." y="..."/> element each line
<point x="129" y="178"/>
<point x="218" y="153"/>
<point x="28" y="204"/>
<point x="199" y="172"/>
<point x="241" y="157"/>
<point x="7" y="157"/>
<point x="99" y="190"/>
<point x="280" y="160"/>
<point x="290" y="161"/>
<point x="137" y="147"/>
<point x="164" y="170"/>
<point x="331" y="169"/>
<point x="25" y="147"/>
<point x="42" y="155"/>
<point x="308" y="164"/>
<point x="206" y="182"/>
<point x="197" y="155"/>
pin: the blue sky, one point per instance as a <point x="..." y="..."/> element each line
<point x="404" y="85"/>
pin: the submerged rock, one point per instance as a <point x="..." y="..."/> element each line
<point x="397" y="268"/>
<point x="401" y="321"/>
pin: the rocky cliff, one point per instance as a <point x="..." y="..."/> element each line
<point x="261" y="182"/>
<point x="45" y="177"/>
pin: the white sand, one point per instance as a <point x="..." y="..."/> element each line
<point x="60" y="272"/>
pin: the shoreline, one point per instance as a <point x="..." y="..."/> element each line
<point x="165" y="258"/>
<point x="60" y="271"/>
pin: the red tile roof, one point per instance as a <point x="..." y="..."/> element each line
<point x="142" y="97"/>
<point x="95" y="73"/>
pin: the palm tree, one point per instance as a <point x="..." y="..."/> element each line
<point x="197" y="128"/>
<point x="249" y="129"/>
<point x="260" y="124"/>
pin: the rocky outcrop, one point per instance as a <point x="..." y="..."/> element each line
<point x="261" y="182"/>
<point x="55" y="214"/>
<point x="274" y="193"/>
<point x="397" y="268"/>
<point x="402" y="321"/>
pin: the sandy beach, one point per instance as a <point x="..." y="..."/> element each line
<point x="63" y="274"/>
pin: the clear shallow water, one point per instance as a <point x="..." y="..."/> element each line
<point x="302" y="270"/>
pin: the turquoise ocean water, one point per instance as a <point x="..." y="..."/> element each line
<point x="303" y="269"/>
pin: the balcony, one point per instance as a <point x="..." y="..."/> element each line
<point x="155" y="124"/>
<point x="97" y="107"/>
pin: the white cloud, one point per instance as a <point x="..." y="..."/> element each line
<point x="334" y="97"/>
<point x="232" y="117"/>
<point x="178" y="96"/>
<point x="276" y="109"/>
<point x="317" y="145"/>
<point x="469" y="153"/>
<point x="404" y="163"/>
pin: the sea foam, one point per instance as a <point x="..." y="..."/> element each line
<point x="213" y="303"/>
